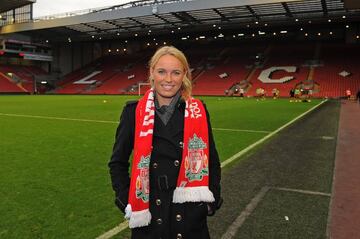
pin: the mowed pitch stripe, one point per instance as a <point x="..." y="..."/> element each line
<point x="116" y="122"/>
<point x="233" y="228"/>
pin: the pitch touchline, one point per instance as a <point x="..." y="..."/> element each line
<point x="237" y="155"/>
<point x="116" y="122"/>
<point x="239" y="221"/>
<point x="242" y="152"/>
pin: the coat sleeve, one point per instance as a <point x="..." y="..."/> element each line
<point x="119" y="163"/>
<point x="214" y="169"/>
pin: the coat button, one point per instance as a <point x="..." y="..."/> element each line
<point x="178" y="217"/>
<point x="176" y="163"/>
<point x="179" y="236"/>
<point x="159" y="221"/>
<point x="158" y="202"/>
<point x="155" y="165"/>
<point x="181" y="144"/>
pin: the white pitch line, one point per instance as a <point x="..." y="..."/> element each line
<point x="242" y="152"/>
<point x="114" y="122"/>
<point x="234" y="227"/>
<point x="59" y="118"/>
<point x="114" y="231"/>
<point x="239" y="221"/>
<point x="243" y="130"/>
<point x="303" y="191"/>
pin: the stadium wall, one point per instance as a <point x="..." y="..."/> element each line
<point x="69" y="57"/>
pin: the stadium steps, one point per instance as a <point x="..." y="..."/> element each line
<point x="7" y="86"/>
<point x="336" y="59"/>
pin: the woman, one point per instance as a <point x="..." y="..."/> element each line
<point x="175" y="174"/>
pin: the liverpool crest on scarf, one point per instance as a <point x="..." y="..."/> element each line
<point x="196" y="162"/>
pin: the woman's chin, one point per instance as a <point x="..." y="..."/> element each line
<point x="166" y="94"/>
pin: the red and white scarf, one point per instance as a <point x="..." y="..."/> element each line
<point x="193" y="179"/>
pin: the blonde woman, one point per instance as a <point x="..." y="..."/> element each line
<point x="174" y="182"/>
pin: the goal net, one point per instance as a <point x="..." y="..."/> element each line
<point x="143" y="86"/>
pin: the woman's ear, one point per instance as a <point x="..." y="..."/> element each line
<point x="151" y="72"/>
<point x="151" y="76"/>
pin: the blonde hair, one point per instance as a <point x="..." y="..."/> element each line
<point x="186" y="87"/>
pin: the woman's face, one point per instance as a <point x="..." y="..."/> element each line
<point x="168" y="74"/>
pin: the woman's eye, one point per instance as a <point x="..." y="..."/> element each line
<point x="177" y="73"/>
<point x="161" y="71"/>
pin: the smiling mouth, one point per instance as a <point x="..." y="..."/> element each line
<point x="167" y="87"/>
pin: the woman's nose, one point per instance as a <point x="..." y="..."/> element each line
<point x="168" y="77"/>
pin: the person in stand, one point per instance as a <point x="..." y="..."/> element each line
<point x="348" y="94"/>
<point x="275" y="93"/>
<point x="241" y="92"/>
<point x="310" y="93"/>
<point x="263" y="93"/>
<point x="175" y="174"/>
<point x="297" y="94"/>
<point x="292" y="94"/>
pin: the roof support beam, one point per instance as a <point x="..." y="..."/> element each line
<point x="95" y="28"/>
<point x="114" y="24"/>
<point x="185" y="17"/>
<point x="323" y="4"/>
<point x="223" y="18"/>
<point x="286" y="7"/>
<point x="141" y="24"/>
<point x="165" y="20"/>
<point x="253" y="12"/>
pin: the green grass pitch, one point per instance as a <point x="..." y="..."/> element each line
<point x="54" y="180"/>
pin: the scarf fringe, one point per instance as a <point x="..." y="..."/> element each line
<point x="139" y="218"/>
<point x="193" y="194"/>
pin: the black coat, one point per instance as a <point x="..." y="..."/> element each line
<point x="169" y="220"/>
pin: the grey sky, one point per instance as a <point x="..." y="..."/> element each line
<point x="49" y="7"/>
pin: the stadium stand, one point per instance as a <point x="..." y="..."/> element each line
<point x="128" y="73"/>
<point x="327" y="69"/>
<point x="22" y="76"/>
<point x="220" y="72"/>
<point x="7" y="86"/>
<point x="216" y="71"/>
<point x="277" y="56"/>
<point x="337" y="59"/>
<point x="115" y="75"/>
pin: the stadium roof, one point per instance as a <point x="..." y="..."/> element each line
<point x="157" y="17"/>
<point x="7" y="5"/>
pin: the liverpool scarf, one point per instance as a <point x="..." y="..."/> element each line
<point x="193" y="179"/>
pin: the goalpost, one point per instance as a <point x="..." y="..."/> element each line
<point x="142" y="84"/>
